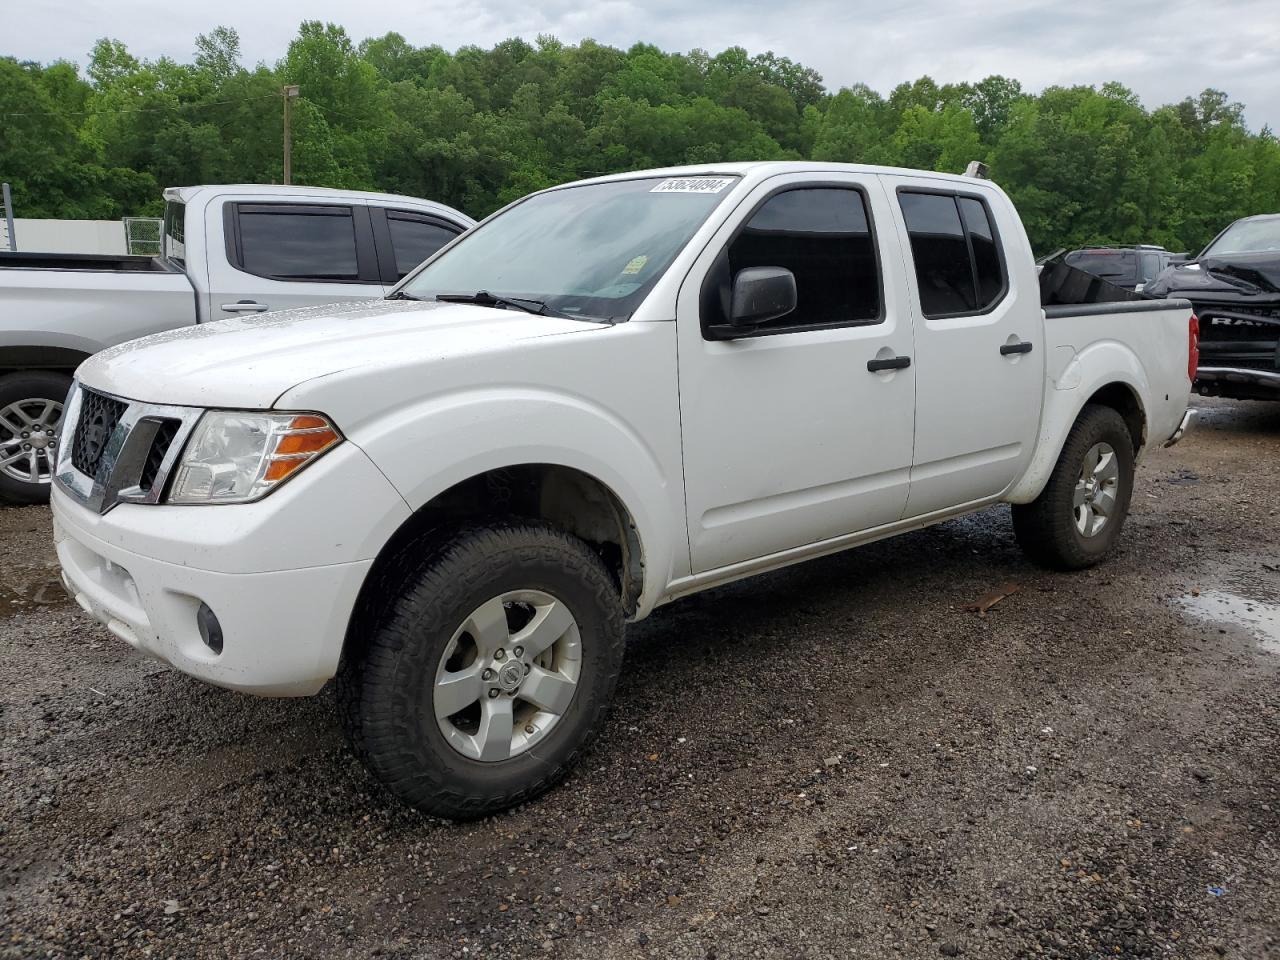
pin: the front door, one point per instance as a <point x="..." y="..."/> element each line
<point x="789" y="438"/>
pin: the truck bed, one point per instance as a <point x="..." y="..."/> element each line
<point x="98" y="263"/>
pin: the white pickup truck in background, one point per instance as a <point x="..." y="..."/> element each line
<point x="226" y="250"/>
<point x="606" y="396"/>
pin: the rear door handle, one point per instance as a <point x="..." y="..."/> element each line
<point x="245" y="306"/>
<point x="1022" y="346"/>
<point x="888" y="363"/>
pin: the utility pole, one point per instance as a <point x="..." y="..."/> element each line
<point x="290" y="92"/>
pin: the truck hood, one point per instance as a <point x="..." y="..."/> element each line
<point x="249" y="362"/>
<point x="1241" y="278"/>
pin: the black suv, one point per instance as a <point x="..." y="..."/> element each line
<point x="1131" y="267"/>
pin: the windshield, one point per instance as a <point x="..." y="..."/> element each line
<point x="593" y="251"/>
<point x="1247" y="236"/>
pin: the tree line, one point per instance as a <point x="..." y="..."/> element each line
<point x="477" y="128"/>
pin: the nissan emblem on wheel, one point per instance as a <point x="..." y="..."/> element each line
<point x="452" y="501"/>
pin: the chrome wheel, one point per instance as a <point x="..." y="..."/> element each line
<point x="508" y="675"/>
<point x="1097" y="490"/>
<point x="29" y="439"/>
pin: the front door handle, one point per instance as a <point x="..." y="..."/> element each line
<point x="1009" y="349"/>
<point x="245" y="306"/>
<point x="888" y="363"/>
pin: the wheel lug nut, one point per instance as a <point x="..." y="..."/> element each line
<point x="528" y="728"/>
<point x="500" y="654"/>
<point x="518" y="652"/>
<point x="493" y="692"/>
<point x="487" y="675"/>
<point x="527" y="669"/>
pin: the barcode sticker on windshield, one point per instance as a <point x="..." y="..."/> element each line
<point x="693" y="185"/>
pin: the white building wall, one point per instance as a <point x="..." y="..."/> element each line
<point x="69" y="236"/>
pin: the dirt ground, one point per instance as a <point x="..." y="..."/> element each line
<point x="838" y="760"/>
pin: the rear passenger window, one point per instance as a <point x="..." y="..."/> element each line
<point x="284" y="243"/>
<point x="957" y="258"/>
<point x="823" y="236"/>
<point x="986" y="256"/>
<point x="415" y="238"/>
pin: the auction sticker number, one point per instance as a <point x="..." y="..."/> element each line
<point x="693" y="185"/>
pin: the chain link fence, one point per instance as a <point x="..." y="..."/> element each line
<point x="142" y="236"/>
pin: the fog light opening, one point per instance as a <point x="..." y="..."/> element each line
<point x="210" y="628"/>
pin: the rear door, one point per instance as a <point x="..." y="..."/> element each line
<point x="789" y="438"/>
<point x="270" y="255"/>
<point x="979" y="342"/>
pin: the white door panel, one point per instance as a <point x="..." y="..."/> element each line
<point x="977" y="409"/>
<point x="788" y="438"/>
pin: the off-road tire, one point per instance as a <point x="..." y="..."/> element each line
<point x="1046" y="528"/>
<point x="385" y="681"/>
<point x="31" y="385"/>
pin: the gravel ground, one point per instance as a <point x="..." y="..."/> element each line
<point x="838" y="760"/>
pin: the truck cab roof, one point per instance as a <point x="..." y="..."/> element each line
<point x="280" y="191"/>
<point x="761" y="169"/>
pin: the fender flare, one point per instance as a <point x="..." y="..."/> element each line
<point x="1102" y="365"/>
<point x="487" y="429"/>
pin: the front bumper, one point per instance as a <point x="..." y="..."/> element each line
<point x="281" y="575"/>
<point x="282" y="631"/>
<point x="1217" y="379"/>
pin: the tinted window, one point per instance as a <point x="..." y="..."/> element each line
<point x="1150" y="266"/>
<point x="823" y="236"/>
<point x="956" y="253"/>
<point x="175" y="248"/>
<point x="941" y="253"/>
<point x="414" y="239"/>
<point x="292" y="245"/>
<point x="986" y="255"/>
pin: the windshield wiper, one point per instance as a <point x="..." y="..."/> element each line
<point x="401" y="295"/>
<point x="484" y="298"/>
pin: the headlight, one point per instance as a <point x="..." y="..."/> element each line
<point x="234" y="457"/>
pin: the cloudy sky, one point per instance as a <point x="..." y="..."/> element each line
<point x="1163" y="49"/>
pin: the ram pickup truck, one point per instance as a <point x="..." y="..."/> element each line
<point x="1234" y="287"/>
<point x="226" y="251"/>
<point x="606" y="396"/>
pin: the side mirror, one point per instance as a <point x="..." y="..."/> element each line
<point x="761" y="294"/>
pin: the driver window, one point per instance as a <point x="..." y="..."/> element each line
<point x="823" y="236"/>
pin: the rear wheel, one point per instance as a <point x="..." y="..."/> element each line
<point x="488" y="670"/>
<point x="1078" y="516"/>
<point x="30" y="430"/>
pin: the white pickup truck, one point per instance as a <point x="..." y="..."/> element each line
<point x="226" y="250"/>
<point x="606" y="396"/>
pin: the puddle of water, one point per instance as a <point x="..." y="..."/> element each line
<point x="1218" y="606"/>
<point x="27" y="590"/>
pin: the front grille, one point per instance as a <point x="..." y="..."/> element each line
<point x="98" y="418"/>
<point x="159" y="447"/>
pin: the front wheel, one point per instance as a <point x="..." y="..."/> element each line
<point x="30" y="429"/>
<point x="1078" y="516"/>
<point x="489" y="668"/>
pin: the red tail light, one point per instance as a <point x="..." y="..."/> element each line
<point x="1193" y="347"/>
